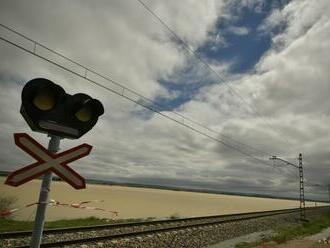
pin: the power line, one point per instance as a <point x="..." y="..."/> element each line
<point x="127" y="89"/>
<point x="88" y="71"/>
<point x="205" y="63"/>
<point x="85" y="76"/>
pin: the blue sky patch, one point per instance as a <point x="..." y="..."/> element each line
<point x="241" y="45"/>
<point x="185" y="90"/>
<point x="242" y="50"/>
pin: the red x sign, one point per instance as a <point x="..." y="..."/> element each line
<point x="47" y="161"/>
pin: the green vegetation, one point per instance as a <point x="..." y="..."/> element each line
<point x="9" y="225"/>
<point x="293" y="231"/>
<point x="305" y="229"/>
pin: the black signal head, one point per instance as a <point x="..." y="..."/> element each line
<point x="48" y="109"/>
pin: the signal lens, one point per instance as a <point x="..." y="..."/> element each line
<point x="84" y="114"/>
<point x="44" y="100"/>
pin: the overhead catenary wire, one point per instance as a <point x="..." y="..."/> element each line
<point x="126" y="88"/>
<point x="205" y="63"/>
<point x="85" y="75"/>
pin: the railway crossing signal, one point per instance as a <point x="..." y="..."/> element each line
<point x="47" y="161"/>
<point x="47" y="108"/>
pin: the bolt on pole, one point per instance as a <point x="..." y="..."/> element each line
<point x="39" y="221"/>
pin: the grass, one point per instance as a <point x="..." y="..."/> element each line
<point x="8" y="225"/>
<point x="11" y="225"/>
<point x="293" y="231"/>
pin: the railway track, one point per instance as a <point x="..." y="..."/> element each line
<point x="92" y="234"/>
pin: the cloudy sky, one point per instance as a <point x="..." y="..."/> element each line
<point x="255" y="72"/>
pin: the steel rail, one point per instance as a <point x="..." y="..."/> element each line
<point x="241" y="217"/>
<point x="149" y="232"/>
<point x="5" y="235"/>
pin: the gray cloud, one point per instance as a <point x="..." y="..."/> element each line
<point x="289" y="88"/>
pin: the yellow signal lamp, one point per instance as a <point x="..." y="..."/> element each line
<point x="84" y="114"/>
<point x="47" y="108"/>
<point x="44" y="99"/>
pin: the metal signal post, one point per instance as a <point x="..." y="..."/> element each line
<point x="301" y="183"/>
<point x="39" y="221"/>
<point x="47" y="108"/>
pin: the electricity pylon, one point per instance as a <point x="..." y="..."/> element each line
<point x="301" y="183"/>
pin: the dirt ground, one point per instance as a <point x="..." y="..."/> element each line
<point x="301" y="243"/>
<point x="136" y="202"/>
<point x="318" y="240"/>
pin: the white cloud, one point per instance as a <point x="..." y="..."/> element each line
<point x="297" y="17"/>
<point x="238" y="30"/>
<point x="290" y="88"/>
<point x="218" y="42"/>
<point x="190" y="19"/>
<point x="119" y="39"/>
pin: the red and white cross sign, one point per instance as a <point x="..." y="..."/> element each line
<point x="47" y="161"/>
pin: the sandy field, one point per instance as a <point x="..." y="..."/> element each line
<point x="136" y="202"/>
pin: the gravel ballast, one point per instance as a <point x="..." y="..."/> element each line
<point x="189" y="237"/>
